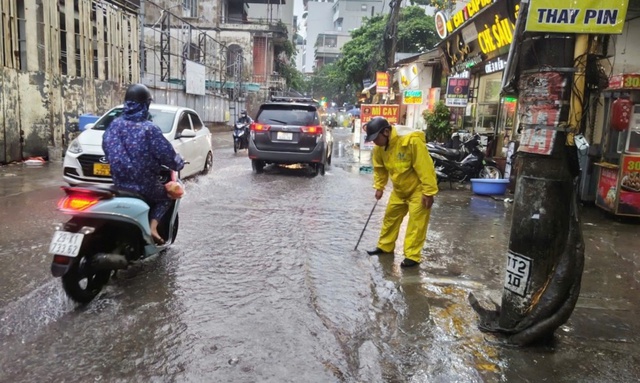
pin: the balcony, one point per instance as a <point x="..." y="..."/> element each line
<point x="272" y="81"/>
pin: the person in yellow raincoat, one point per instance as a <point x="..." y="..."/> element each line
<point x="406" y="160"/>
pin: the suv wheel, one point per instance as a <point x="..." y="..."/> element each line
<point x="257" y="166"/>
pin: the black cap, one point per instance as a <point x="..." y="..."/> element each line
<point x="374" y="127"/>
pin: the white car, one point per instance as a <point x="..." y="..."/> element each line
<point x="85" y="161"/>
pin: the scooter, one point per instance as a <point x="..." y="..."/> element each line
<point x="456" y="151"/>
<point x="240" y="137"/>
<point x="108" y="231"/>
<point x="474" y="165"/>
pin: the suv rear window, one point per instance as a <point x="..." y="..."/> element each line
<point x="298" y="115"/>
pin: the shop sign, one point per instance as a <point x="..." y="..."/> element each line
<point x="457" y="92"/>
<point x="391" y="112"/>
<point x="625" y="81"/>
<point x="465" y="14"/>
<point x="607" y="196"/>
<point x="382" y="82"/>
<point x="577" y="16"/>
<point x="486" y="37"/>
<point x="495" y="65"/>
<point x="412" y="97"/>
<point x="440" y="20"/>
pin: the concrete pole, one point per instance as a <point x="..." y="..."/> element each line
<point x="141" y="17"/>
<point x="546" y="251"/>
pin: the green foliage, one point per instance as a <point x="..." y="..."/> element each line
<point x="364" y="54"/>
<point x="438" y="125"/>
<point x="330" y="82"/>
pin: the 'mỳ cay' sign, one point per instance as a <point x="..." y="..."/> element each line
<point x="577" y="16"/>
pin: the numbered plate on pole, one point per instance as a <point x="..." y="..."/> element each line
<point x="65" y="243"/>
<point x="518" y="273"/>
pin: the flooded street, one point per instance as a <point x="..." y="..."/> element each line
<point x="263" y="285"/>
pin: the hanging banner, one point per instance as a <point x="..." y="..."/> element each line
<point x="577" y="16"/>
<point x="457" y="92"/>
<point x="382" y="82"/>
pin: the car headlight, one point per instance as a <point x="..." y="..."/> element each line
<point x="75" y="147"/>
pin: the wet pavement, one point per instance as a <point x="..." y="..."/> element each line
<point x="263" y="285"/>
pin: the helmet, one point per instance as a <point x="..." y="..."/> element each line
<point x="243" y="113"/>
<point x="138" y="93"/>
<point x="375" y="126"/>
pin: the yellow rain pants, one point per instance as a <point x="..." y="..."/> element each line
<point x="416" y="234"/>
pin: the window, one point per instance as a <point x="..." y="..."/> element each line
<point x="196" y="122"/>
<point x="285" y="115"/>
<point x="183" y="124"/>
<point x="162" y="119"/>
<point x="190" y="8"/>
<point x="330" y="41"/>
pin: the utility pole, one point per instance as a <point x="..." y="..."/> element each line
<point x="546" y="251"/>
<point x="390" y="33"/>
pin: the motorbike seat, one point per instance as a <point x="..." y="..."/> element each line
<point x="451" y="153"/>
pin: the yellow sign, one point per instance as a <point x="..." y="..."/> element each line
<point x="382" y="82"/>
<point x="577" y="16"/>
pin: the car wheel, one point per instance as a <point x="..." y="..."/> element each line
<point x="208" y="163"/>
<point x="257" y="166"/>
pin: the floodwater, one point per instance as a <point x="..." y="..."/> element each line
<point x="263" y="285"/>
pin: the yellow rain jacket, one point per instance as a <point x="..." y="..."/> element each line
<point x="408" y="163"/>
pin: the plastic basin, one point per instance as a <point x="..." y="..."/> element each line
<point x="485" y="186"/>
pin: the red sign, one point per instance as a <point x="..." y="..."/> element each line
<point x="625" y="81"/>
<point x="382" y="82"/>
<point x="390" y="112"/>
<point x="607" y="193"/>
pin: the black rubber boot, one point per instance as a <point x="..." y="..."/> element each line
<point x="377" y="251"/>
<point x="409" y="263"/>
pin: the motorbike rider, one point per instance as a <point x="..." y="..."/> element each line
<point x="404" y="159"/>
<point x="245" y="120"/>
<point x="136" y="149"/>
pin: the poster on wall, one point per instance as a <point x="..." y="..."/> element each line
<point x="540" y="110"/>
<point x="457" y="92"/>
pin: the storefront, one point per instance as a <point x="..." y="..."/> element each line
<point x="618" y="173"/>
<point x="476" y="40"/>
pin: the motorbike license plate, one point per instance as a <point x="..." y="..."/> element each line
<point x="65" y="243"/>
<point x="101" y="170"/>
<point x="285" y="136"/>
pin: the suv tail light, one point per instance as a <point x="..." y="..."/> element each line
<point x="255" y="127"/>
<point x="316" y="129"/>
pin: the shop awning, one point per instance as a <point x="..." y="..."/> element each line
<point x="368" y="89"/>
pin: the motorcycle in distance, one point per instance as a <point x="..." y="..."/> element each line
<point x="108" y="231"/>
<point x="240" y="136"/>
<point x="473" y="165"/>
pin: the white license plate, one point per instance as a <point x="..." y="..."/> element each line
<point x="65" y="243"/>
<point x="285" y="136"/>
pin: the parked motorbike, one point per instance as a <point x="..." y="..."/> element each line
<point x="240" y="137"/>
<point x="108" y="231"/>
<point x="473" y="165"/>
